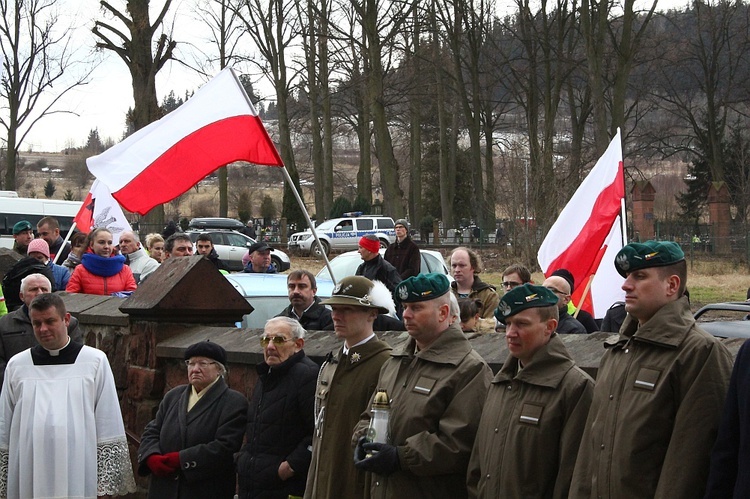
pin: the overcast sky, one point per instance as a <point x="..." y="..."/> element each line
<point x="104" y="101"/>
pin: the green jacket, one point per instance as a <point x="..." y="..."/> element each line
<point x="483" y="292"/>
<point x="343" y="392"/>
<point x="657" y="403"/>
<point x="437" y="396"/>
<point x="531" y="427"/>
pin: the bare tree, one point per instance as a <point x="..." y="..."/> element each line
<point x="39" y="68"/>
<point x="135" y="52"/>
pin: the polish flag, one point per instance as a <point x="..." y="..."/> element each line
<point x="100" y="209"/>
<point x="587" y="235"/>
<point x="216" y="126"/>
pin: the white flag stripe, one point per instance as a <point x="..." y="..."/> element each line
<point x="579" y="208"/>
<point x="220" y="98"/>
<point x="107" y="212"/>
<point x="606" y="287"/>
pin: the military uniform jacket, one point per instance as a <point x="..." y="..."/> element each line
<point x="436" y="402"/>
<point x="206" y="437"/>
<point x="344" y="387"/>
<point x="656" y="409"/>
<point x="531" y="426"/>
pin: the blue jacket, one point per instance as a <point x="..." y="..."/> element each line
<point x="61" y="275"/>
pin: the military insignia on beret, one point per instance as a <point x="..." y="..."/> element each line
<point x="622" y="262"/>
<point x="532" y="297"/>
<point x="403" y="293"/>
<point x="355" y="357"/>
<point x="504" y="308"/>
<point x="650" y="255"/>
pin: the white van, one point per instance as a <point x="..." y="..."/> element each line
<point x="13" y="210"/>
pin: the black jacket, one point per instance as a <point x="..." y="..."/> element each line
<point x="213" y="257"/>
<point x="279" y="428"/>
<point x="315" y="318"/>
<point x="405" y="257"/>
<point x="378" y="269"/>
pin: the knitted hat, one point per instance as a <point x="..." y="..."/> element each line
<point x="636" y="256"/>
<point x="207" y="349"/>
<point x="402" y="221"/>
<point x="39" y="246"/>
<point x="422" y="287"/>
<point x="370" y="244"/>
<point x="21" y="226"/>
<point x="565" y="274"/>
<point x="523" y="297"/>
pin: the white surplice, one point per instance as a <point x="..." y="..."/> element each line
<point x="61" y="430"/>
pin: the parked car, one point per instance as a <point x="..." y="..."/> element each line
<point x="232" y="246"/>
<point x="725" y="320"/>
<point x="216" y="223"/>
<point x="343" y="234"/>
<point x="346" y="264"/>
<point x="267" y="293"/>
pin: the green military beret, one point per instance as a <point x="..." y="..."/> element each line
<point x="523" y="297"/>
<point x="636" y="256"/>
<point x="421" y="287"/>
<point x="21" y="226"/>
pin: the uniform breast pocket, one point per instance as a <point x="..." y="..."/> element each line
<point x="424" y="385"/>
<point x="647" y="379"/>
<point x="531" y="414"/>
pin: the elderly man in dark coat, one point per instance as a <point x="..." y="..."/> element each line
<point x="273" y="463"/>
<point x="189" y="447"/>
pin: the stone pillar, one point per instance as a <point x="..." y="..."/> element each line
<point x="719" y="217"/>
<point x="643" y="210"/>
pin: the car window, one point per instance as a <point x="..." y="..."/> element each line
<point x="237" y="240"/>
<point x="385" y="223"/>
<point x="345" y="226"/>
<point x="217" y="238"/>
<point x="365" y="224"/>
<point x="428" y="264"/>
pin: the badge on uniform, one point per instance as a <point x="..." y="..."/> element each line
<point x="355" y="357"/>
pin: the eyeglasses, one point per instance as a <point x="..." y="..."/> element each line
<point x="277" y="340"/>
<point x="202" y="364"/>
<point x="557" y="291"/>
<point x="510" y="284"/>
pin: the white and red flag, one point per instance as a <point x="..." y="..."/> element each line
<point x="587" y="235"/>
<point x="216" y="126"/>
<point x="100" y="209"/>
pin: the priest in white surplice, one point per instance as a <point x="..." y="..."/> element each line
<point x="61" y="430"/>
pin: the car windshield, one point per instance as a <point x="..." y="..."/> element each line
<point x="343" y="266"/>
<point x="327" y="225"/>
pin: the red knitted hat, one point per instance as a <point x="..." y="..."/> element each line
<point x="370" y="245"/>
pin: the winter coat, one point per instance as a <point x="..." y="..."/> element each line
<point x="343" y="391"/>
<point x="567" y="324"/>
<point x="483" y="292"/>
<point x="405" y="257"/>
<point x="730" y="458"/>
<point x="116" y="276"/>
<point x="436" y="402"/>
<point x="655" y="413"/>
<point x="531" y="427"/>
<point x="206" y="438"/>
<point x="17" y="334"/>
<point x="213" y="257"/>
<point x="378" y="269"/>
<point x="315" y="318"/>
<point x="59" y="246"/>
<point x="279" y="428"/>
<point x="141" y="265"/>
<point x="61" y="275"/>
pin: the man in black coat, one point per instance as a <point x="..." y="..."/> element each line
<point x="373" y="266"/>
<point x="304" y="305"/>
<point x="403" y="253"/>
<point x="274" y="461"/>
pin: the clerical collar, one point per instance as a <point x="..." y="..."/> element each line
<point x="346" y="349"/>
<point x="56" y="353"/>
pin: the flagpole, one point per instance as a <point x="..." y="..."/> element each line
<point x="65" y="241"/>
<point x="309" y="222"/>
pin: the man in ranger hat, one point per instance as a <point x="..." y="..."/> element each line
<point x="403" y="253"/>
<point x="437" y="385"/>
<point x="659" y="390"/>
<point x="345" y="384"/>
<point x="536" y="407"/>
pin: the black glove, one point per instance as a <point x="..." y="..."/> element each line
<point x="359" y="452"/>
<point x="384" y="460"/>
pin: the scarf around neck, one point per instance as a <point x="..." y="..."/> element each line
<point x="101" y="266"/>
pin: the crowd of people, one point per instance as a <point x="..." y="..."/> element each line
<point x="666" y="417"/>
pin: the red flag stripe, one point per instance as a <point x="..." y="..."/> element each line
<point x="84" y="219"/>
<point x="239" y="138"/>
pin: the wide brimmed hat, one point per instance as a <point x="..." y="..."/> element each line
<point x="357" y="291"/>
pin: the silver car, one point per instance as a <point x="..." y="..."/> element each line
<point x="231" y="246"/>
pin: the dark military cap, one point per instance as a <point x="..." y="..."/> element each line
<point x="421" y="287"/>
<point x="636" y="256"/>
<point x="207" y="349"/>
<point x="523" y="297"/>
<point x="21" y="226"/>
<point x="259" y="246"/>
<point x="355" y="290"/>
